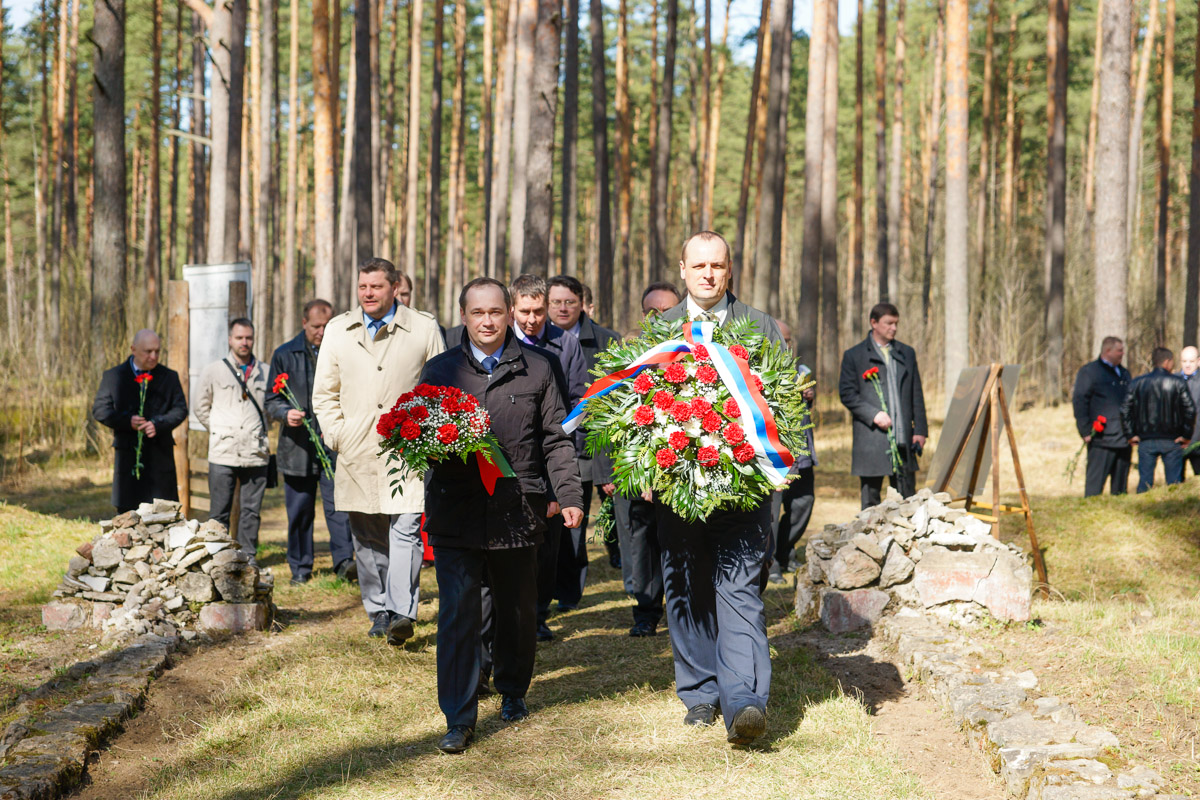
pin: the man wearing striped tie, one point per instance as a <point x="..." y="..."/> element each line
<point x="711" y="569"/>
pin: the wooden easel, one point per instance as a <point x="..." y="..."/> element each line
<point x="993" y="407"/>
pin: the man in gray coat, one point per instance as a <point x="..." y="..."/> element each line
<point x="1189" y="360"/>
<point x="900" y="379"/>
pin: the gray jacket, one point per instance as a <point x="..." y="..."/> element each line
<point x="237" y="436"/>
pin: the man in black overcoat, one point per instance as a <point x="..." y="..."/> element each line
<point x="712" y="569"/>
<point x="471" y="530"/>
<point x="900" y="379"/>
<point x="116" y="406"/>
<point x="297" y="456"/>
<point x="1100" y="389"/>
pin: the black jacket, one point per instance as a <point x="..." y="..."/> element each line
<point x="296" y="454"/>
<point x="1158" y="406"/>
<point x="1193" y="385"/>
<point x="594" y="339"/>
<point x="526" y="407"/>
<point x="116" y="402"/>
<point x="1099" y="392"/>
<point x="869" y="456"/>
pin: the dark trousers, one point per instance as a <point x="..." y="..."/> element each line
<point x="711" y="573"/>
<point x="796" y="502"/>
<point x="571" y="573"/>
<point x="872" y="486"/>
<point x="1193" y="458"/>
<point x="1104" y="463"/>
<point x="460" y="624"/>
<point x="641" y="556"/>
<point x="221" y="481"/>
<point x="547" y="566"/>
<point x="1149" y="451"/>
<point x="300" y="497"/>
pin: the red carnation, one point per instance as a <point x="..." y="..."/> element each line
<point x="145" y="377"/>
<point x="679" y="440"/>
<point x="731" y="408"/>
<point x="643" y="384"/>
<point x="711" y="422"/>
<point x="733" y="433"/>
<point x="664" y="400"/>
<point x="707" y="374"/>
<point x="681" y="412"/>
<point x="708" y="456"/>
<point x="385" y="426"/>
<point x="700" y="406"/>
<point x="871" y="373"/>
<point x="425" y="390"/>
<point x="758" y="384"/>
<point x="419" y="413"/>
<point x="700" y="353"/>
<point x="407" y="397"/>
<point x="410" y="430"/>
<point x="740" y="352"/>
<point x="468" y="403"/>
<point x="449" y="405"/>
<point x="1098" y="425"/>
<point x="643" y="416"/>
<point x="675" y="373"/>
<point x="665" y="458"/>
<point x="280" y="381"/>
<point x="447" y="434"/>
<point x="744" y="453"/>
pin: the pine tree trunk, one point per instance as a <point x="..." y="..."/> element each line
<point x="176" y="117"/>
<point x="527" y="14"/>
<point x="714" y="124"/>
<point x="454" y="244"/>
<point x="292" y="244"/>
<point x="409" y="264"/>
<point x="1010" y="129"/>
<point x="10" y="267"/>
<point x="604" y="249"/>
<point x="956" y="301"/>
<point x="663" y="152"/>
<point x="263" y="207"/>
<point x="934" y="132"/>
<point x="227" y="46"/>
<point x="1056" y="195"/>
<point x="979" y="268"/>
<point x="854" y="264"/>
<point x="881" y="171"/>
<point x="388" y="136"/>
<point x="814" y="138"/>
<point x="433" y="194"/>
<point x="497" y="241"/>
<point x="324" y="122"/>
<point x="691" y="197"/>
<point x="344" y="236"/>
<point x="57" y="147"/>
<point x="375" y="123"/>
<point x="624" y="134"/>
<point x="1191" y="295"/>
<point x="569" y="262"/>
<point x="1135" y="129"/>
<point x="827" y="365"/>
<point x="1166" y="119"/>
<point x="153" y="245"/>
<point x="199" y="234"/>
<point x="707" y="118"/>
<point x="365" y="148"/>
<point x="538" y="249"/>
<point x="770" y="205"/>
<point x="739" y="247"/>
<point x="1089" y="164"/>
<point x="891" y="291"/>
<point x="649" y="273"/>
<point x="1112" y="177"/>
<point x="108" y="241"/>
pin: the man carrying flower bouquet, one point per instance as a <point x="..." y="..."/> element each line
<point x="293" y="366"/>
<point x="880" y="384"/>
<point x="140" y="398"/>
<point x="1100" y="389"/>
<point x="370" y="356"/>
<point x="472" y="529"/>
<point x="712" y="568"/>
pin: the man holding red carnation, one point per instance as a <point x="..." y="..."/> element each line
<point x="1100" y="389"/>
<point x="472" y="530"/>
<point x="712" y="568"/>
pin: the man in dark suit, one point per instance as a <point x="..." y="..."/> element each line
<point x="471" y="530"/>
<point x="722" y="661"/>
<point x="565" y="294"/>
<point x="900" y="379"/>
<point x="297" y="456"/>
<point x="116" y="406"/>
<point x="1100" y="389"/>
<point x="1158" y="416"/>
<point x="1189" y="360"/>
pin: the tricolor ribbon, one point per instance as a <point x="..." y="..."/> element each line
<point x="492" y="467"/>
<point x="762" y="433"/>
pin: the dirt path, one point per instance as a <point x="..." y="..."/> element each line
<point x="928" y="743"/>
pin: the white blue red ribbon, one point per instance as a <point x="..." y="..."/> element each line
<point x="761" y="431"/>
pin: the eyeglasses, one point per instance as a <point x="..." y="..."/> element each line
<point x="564" y="303"/>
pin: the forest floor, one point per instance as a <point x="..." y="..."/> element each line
<point x="315" y="709"/>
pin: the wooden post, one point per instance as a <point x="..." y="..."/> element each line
<point x="994" y="411"/>
<point x="178" y="328"/>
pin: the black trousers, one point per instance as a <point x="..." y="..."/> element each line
<point x="1192" y="458"/>
<point x="571" y="574"/>
<point x="221" y="482"/>
<point x="547" y="566"/>
<point x="796" y="502"/>
<point x="711" y="573"/>
<point x="300" y="498"/>
<point x="1104" y="463"/>
<point x="641" y="557"/>
<point x="511" y="573"/>
<point x="872" y="486"/>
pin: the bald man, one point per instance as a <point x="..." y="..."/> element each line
<point x="1189" y="361"/>
<point x="117" y="406"/>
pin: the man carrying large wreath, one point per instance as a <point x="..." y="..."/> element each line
<point x="712" y="567"/>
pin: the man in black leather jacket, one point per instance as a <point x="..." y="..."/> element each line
<point x="1157" y="416"/>
<point x="1100" y="388"/>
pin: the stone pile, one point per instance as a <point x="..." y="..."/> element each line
<point x="917" y="553"/>
<point x="151" y="571"/>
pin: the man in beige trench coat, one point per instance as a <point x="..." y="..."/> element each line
<point x="370" y="356"/>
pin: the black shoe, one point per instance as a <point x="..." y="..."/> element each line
<point x="513" y="709"/>
<point x="399" y="630"/>
<point x="379" y="624"/>
<point x="565" y="607"/>
<point x="749" y="723"/>
<point x="544" y="634"/>
<point x="347" y="570"/>
<point x="643" y="629"/>
<point x="300" y="580"/>
<point x="456" y="739"/>
<point x="702" y="714"/>
<point x="614" y="560"/>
